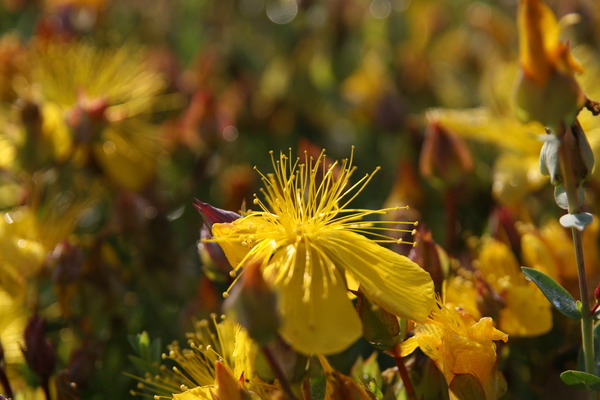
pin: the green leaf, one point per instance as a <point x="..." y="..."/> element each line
<point x="554" y="292"/>
<point x="578" y="221"/>
<point x="581" y="380"/>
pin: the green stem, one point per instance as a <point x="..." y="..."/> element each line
<point x="570" y="185"/>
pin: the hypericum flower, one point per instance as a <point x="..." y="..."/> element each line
<point x="196" y="372"/>
<point x="550" y="249"/>
<point x="459" y="345"/>
<point x="103" y="96"/>
<point x="526" y="312"/>
<point x="546" y="89"/>
<point x="309" y="243"/>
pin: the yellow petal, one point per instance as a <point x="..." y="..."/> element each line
<point x="325" y="322"/>
<point x="199" y="393"/>
<point x="527" y="312"/>
<point x="539" y="33"/>
<point x="390" y="280"/>
<point x="233" y="244"/>
<point x="408" y="346"/>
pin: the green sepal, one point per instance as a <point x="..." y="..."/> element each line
<point x="554" y="292"/>
<point x="466" y="387"/>
<point x="581" y="380"/>
<point x="578" y="221"/>
<point x="380" y="327"/>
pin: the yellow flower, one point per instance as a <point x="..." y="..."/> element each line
<point x="516" y="170"/>
<point x="546" y="89"/>
<point x="105" y="96"/>
<point x="307" y="240"/>
<point x="27" y="235"/>
<point x="458" y="345"/>
<point x="526" y="311"/>
<point x="550" y="249"/>
<point x="540" y="50"/>
<point x="197" y="372"/>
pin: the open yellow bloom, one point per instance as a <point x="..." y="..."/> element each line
<point x="308" y="242"/>
<point x="219" y="352"/>
<point x="526" y="311"/>
<point x="458" y="345"/>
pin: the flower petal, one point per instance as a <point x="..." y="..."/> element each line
<point x="527" y="312"/>
<point x="390" y="280"/>
<point x="318" y="317"/>
<point x="198" y="393"/>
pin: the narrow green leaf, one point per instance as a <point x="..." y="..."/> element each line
<point x="554" y="292"/>
<point x="578" y="221"/>
<point x="581" y="380"/>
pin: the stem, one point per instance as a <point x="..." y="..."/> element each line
<point x="278" y="372"/>
<point x="5" y="383"/>
<point x="46" y="388"/>
<point x="410" y="390"/>
<point x="570" y="185"/>
<point x="306" y="389"/>
<point x="450" y="206"/>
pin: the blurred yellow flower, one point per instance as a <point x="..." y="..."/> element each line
<point x="103" y="95"/>
<point x="26" y="237"/>
<point x="516" y="170"/>
<point x="550" y="249"/>
<point x="546" y="89"/>
<point x="13" y="318"/>
<point x="525" y="312"/>
<point x="459" y="345"/>
<point x="540" y="50"/>
<point x="307" y="240"/>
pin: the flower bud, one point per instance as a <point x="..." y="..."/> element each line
<point x="213" y="215"/>
<point x="36" y="150"/>
<point x="292" y="364"/>
<point x="556" y="103"/>
<point x="380" y="327"/>
<point x="214" y="261"/>
<point x="430" y="256"/>
<point x="254" y="305"/>
<point x="546" y="90"/>
<point x="39" y="351"/>
<point x="444" y="156"/>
